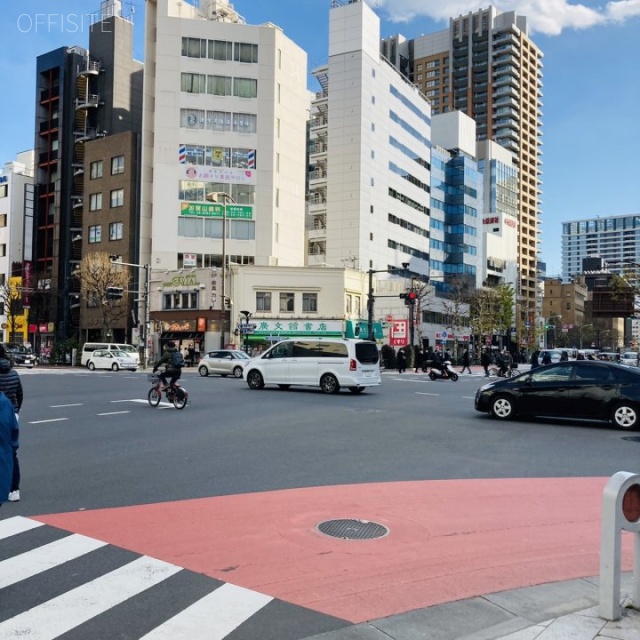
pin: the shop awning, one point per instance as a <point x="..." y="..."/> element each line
<point x="180" y="335"/>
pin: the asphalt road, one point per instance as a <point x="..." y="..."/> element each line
<point x="90" y="440"/>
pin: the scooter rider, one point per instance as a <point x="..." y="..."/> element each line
<point x="438" y="363"/>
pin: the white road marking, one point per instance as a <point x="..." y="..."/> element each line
<point x="162" y="404"/>
<point x="55" y="617"/>
<point x="18" y="524"/>
<point x="52" y="420"/>
<point x="60" y="406"/>
<point x="212" y="617"/>
<point x="113" y="413"/>
<point x="43" y="558"/>
<point x="420" y="393"/>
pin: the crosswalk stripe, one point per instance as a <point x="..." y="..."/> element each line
<point x="14" y="526"/>
<point x="212" y="617"/>
<point x="45" y="557"/>
<point x="59" y="615"/>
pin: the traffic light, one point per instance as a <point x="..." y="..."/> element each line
<point x="227" y="302"/>
<point x="409" y="298"/>
<point x="114" y="293"/>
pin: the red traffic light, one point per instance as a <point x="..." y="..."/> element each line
<point x="412" y="295"/>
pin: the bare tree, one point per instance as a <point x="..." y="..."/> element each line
<point x="491" y="310"/>
<point x="104" y="286"/>
<point x="11" y="301"/>
<point x="456" y="307"/>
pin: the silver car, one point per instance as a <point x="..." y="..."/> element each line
<point x="224" y="362"/>
<point x="630" y="358"/>
<point x="114" y="360"/>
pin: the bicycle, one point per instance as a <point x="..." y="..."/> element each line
<point x="494" y="372"/>
<point x="176" y="394"/>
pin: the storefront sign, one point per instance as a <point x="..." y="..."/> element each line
<point x="189" y="260"/>
<point x="179" y="325"/>
<point x="211" y="210"/>
<point x="186" y="280"/>
<point x="295" y="328"/>
<point x="219" y="174"/>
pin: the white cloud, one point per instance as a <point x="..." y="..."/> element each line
<point x="550" y="17"/>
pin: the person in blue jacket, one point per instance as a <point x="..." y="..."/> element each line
<point x="8" y="444"/>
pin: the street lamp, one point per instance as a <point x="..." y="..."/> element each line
<point x="213" y="197"/>
<point x="145" y="298"/>
<point x="247" y="316"/>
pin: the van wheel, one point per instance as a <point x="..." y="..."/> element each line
<point x="329" y="383"/>
<point x="255" y="380"/>
<point x="356" y="389"/>
<point x="91" y="366"/>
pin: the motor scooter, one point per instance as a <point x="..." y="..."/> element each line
<point x="446" y="373"/>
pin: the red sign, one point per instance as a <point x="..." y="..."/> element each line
<point x="398" y="333"/>
<point x="389" y="318"/>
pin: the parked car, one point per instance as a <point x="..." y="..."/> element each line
<point x="19" y="355"/>
<point x="555" y="354"/>
<point x="224" y="362"/>
<point x="114" y="360"/>
<point x="577" y="389"/>
<point x="629" y="358"/>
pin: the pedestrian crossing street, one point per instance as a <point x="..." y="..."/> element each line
<point x="56" y="584"/>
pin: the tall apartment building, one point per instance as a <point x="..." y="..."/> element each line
<point x="224" y="149"/>
<point x="82" y="96"/>
<point x="486" y="65"/>
<point x="370" y="154"/>
<point x="615" y="239"/>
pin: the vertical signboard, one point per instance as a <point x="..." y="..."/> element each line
<point x="398" y="333"/>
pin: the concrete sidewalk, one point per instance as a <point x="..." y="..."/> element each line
<point x="556" y="611"/>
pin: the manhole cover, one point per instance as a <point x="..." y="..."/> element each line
<point x="632" y="438"/>
<point x="353" y="529"/>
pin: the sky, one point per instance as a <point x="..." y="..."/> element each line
<point x="591" y="83"/>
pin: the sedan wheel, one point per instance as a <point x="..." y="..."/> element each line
<point x="91" y="366"/>
<point x="237" y="372"/>
<point x="115" y="367"/>
<point x="502" y="408"/>
<point x="203" y="371"/>
<point x="624" y="416"/>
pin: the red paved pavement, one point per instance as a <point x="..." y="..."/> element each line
<point x="448" y="540"/>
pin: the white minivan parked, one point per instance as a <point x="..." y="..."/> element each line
<point x="330" y="363"/>
<point x="89" y="347"/>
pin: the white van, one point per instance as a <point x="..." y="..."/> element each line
<point x="325" y="362"/>
<point x="89" y="347"/>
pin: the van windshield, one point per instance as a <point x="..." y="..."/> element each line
<point x="367" y="352"/>
<point x="127" y="348"/>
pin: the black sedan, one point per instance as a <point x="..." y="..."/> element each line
<point x="577" y="390"/>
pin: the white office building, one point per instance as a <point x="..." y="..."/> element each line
<point x="224" y="131"/>
<point x="370" y="130"/>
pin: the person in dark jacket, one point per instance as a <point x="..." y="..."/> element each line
<point x="485" y="361"/>
<point x="401" y="361"/>
<point x="11" y="386"/>
<point x="170" y="370"/>
<point x="419" y="356"/>
<point x="8" y="443"/>
<point x="465" y="361"/>
<point x="535" y="359"/>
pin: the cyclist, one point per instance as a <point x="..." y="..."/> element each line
<point x="172" y="366"/>
<point x="504" y="361"/>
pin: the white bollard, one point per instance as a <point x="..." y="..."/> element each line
<point x="620" y="512"/>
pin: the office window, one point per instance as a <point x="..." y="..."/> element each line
<point x="192" y="118"/>
<point x="117" y="165"/>
<point x="245" y="52"/>
<point x="116" y="231"/>
<point x="309" y="302"/>
<point x="117" y="198"/>
<point x="194" y="47"/>
<point x="219" y="120"/>
<point x="263" y="301"/>
<point x="3" y="250"/>
<point x="219" y="85"/>
<point x="287" y="302"/>
<point x="4" y="190"/>
<point x="193" y="82"/>
<point x="96" y="169"/>
<point x="95" y="201"/>
<point x="220" y="50"/>
<point x="3" y="220"/>
<point x="245" y="87"/>
<point x="245" y="122"/>
<point x="95" y="234"/>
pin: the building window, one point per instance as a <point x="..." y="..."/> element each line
<point x="245" y="87"/>
<point x="180" y="300"/>
<point x="117" y="165"/>
<point x="95" y="201"/>
<point x="96" y="169"/>
<point x="245" y="52"/>
<point x="309" y="302"/>
<point x="245" y="122"/>
<point x="193" y="82"/>
<point x="3" y="250"/>
<point x="117" y="198"/>
<point x="219" y="85"/>
<point x="192" y="118"/>
<point x="94" y="301"/>
<point x="220" y="50"/>
<point x="263" y="301"/>
<point x="95" y="234"/>
<point x="116" y="231"/>
<point x="3" y="220"/>
<point x="287" y="302"/>
<point x="4" y="190"/>
<point x="194" y="47"/>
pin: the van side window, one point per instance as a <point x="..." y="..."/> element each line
<point x="332" y="350"/>
<point x="282" y="350"/>
<point x="304" y="349"/>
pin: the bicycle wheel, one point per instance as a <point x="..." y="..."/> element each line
<point x="180" y="399"/>
<point x="154" y="396"/>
